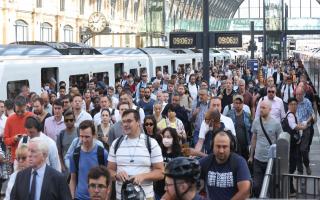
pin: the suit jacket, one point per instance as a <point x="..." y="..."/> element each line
<point x="54" y="185"/>
<point x="275" y="74"/>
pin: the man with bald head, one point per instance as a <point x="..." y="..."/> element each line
<point x="263" y="127"/>
<point x="47" y="105"/>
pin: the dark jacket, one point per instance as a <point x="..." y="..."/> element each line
<point x="54" y="185"/>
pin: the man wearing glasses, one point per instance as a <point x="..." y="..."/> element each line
<point x="277" y="107"/>
<point x="99" y="181"/>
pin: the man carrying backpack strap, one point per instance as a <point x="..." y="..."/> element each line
<point x="135" y="156"/>
<point x="85" y="157"/>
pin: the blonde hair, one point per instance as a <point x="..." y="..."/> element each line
<point x="21" y="148"/>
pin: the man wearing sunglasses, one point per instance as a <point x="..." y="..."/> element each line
<point x="66" y="137"/>
<point x="277" y="107"/>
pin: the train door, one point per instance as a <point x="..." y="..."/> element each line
<point x="102" y="76"/>
<point x="143" y="69"/>
<point x="48" y="76"/>
<point x="14" y="88"/>
<point x="214" y="60"/>
<point x="165" y="69"/>
<point x="193" y="64"/>
<point x="181" y="68"/>
<point x="134" y="72"/>
<point x="80" y="81"/>
<point x="173" y="66"/>
<point x="118" y="71"/>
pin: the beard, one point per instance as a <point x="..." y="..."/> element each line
<point x="147" y="97"/>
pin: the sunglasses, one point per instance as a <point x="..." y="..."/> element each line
<point x="22" y="158"/>
<point x="271" y="92"/>
<point x="68" y="120"/>
<point x="148" y="124"/>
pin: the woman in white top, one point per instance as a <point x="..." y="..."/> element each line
<point x="22" y="160"/>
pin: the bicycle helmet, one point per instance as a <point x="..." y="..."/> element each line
<point x="183" y="168"/>
<point x="131" y="191"/>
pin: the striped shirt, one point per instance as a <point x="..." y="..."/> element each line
<point x="136" y="151"/>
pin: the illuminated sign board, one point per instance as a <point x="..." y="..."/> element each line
<point x="183" y="40"/>
<point x="228" y="40"/>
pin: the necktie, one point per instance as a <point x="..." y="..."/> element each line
<point x="32" y="193"/>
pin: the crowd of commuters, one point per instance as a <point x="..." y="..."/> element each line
<point x="166" y="137"/>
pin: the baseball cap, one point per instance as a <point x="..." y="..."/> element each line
<point x="238" y="97"/>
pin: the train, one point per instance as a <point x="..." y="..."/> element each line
<point x="311" y="60"/>
<point x="34" y="65"/>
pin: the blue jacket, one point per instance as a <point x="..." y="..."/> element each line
<point x="247" y="122"/>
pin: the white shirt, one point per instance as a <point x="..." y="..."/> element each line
<point x="228" y="123"/>
<point x="97" y="117"/>
<point x="285" y="89"/>
<point x="53" y="157"/>
<point x="39" y="181"/>
<point x="10" y="185"/>
<point x="136" y="150"/>
<point x="141" y="113"/>
<point x="82" y="116"/>
<point x="3" y="120"/>
<point x="193" y="89"/>
<point x="277" y="108"/>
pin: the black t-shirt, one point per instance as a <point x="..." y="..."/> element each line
<point x="240" y="130"/>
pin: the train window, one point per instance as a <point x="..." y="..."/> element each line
<point x="118" y="71"/>
<point x="102" y="76"/>
<point x="48" y="75"/>
<point x="181" y="68"/>
<point x="158" y="68"/>
<point x="173" y="66"/>
<point x="143" y="69"/>
<point x="134" y="72"/>
<point x="14" y="88"/>
<point x="193" y="63"/>
<point x="79" y="80"/>
<point x="165" y="69"/>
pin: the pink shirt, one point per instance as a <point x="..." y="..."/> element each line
<point x="52" y="128"/>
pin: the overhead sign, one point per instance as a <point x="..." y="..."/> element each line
<point x="194" y="40"/>
<point x="183" y="40"/>
<point x="253" y="65"/>
<point x="228" y="40"/>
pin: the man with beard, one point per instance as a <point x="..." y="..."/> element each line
<point x="235" y="178"/>
<point x="14" y="128"/>
<point x="146" y="103"/>
<point x="39" y="111"/>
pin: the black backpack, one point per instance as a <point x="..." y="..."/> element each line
<point x="76" y="158"/>
<point x="120" y="139"/>
<point x="295" y="136"/>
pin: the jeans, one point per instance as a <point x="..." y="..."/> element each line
<point x="195" y="137"/>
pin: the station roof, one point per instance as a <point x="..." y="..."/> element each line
<point x="217" y="8"/>
<point x="118" y="51"/>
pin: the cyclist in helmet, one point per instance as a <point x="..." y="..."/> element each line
<point x="132" y="191"/>
<point x="182" y="176"/>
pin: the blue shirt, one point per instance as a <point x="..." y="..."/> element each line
<point x="304" y="110"/>
<point x="87" y="160"/>
<point x="147" y="106"/>
<point x="39" y="180"/>
<point x="219" y="178"/>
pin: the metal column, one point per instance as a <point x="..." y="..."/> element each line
<point x="206" y="63"/>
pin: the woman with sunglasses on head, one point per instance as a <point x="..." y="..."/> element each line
<point x="22" y="160"/>
<point x="170" y="150"/>
<point x="150" y="128"/>
<point x="104" y="128"/>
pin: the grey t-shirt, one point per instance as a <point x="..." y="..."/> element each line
<point x="273" y="129"/>
<point x="66" y="141"/>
